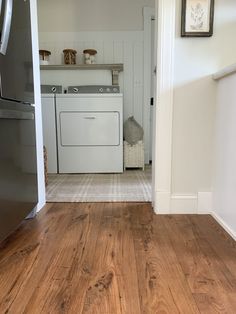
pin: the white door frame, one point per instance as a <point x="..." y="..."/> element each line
<point x="162" y="169"/>
<point x="162" y="157"/>
<point x="37" y="104"/>
<point x="148" y="14"/>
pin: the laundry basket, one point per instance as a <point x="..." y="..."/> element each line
<point x="134" y="155"/>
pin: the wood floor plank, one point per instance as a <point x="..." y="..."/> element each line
<point x="60" y="281"/>
<point x="102" y="292"/>
<point x="219" y="249"/>
<point x="155" y="295"/>
<point x="111" y="258"/>
<point x="114" y="251"/>
<point x="124" y="260"/>
<point x="94" y="280"/>
<point x="204" y="275"/>
<point x="166" y="289"/>
<point x="221" y="272"/>
<point x="223" y="245"/>
<point x="24" y="259"/>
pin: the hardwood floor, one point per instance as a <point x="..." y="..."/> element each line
<point x="116" y="258"/>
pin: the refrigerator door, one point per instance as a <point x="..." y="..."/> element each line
<point x="16" y="66"/>
<point x="18" y="178"/>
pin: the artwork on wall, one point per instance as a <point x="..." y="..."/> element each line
<point x="197" y="18"/>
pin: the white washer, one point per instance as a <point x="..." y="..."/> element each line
<point x="90" y="133"/>
<point x="48" y="100"/>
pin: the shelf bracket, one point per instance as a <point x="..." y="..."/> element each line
<point x="115" y="77"/>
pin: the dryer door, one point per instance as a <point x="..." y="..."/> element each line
<point x="80" y="128"/>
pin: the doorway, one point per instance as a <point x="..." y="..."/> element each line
<point x="111" y="181"/>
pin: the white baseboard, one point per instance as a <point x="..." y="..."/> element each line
<point x="224" y="225"/>
<point x="40" y="206"/>
<point x="183" y="204"/>
<point x="204" y="203"/>
<point x="162" y="203"/>
<point x="200" y="203"/>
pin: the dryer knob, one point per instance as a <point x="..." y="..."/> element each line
<point x="54" y="89"/>
<point x="100" y="90"/>
<point x="115" y="90"/>
<point x="76" y="90"/>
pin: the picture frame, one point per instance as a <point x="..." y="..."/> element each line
<point x="197" y="18"/>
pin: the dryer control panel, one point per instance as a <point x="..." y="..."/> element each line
<point x="94" y="89"/>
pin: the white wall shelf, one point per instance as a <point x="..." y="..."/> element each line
<point x="114" y="68"/>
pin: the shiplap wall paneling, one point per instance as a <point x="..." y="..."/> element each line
<point x="112" y="47"/>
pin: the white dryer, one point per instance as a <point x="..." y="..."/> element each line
<point x="90" y="130"/>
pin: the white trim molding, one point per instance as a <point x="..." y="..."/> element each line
<point x="162" y="173"/>
<point x="162" y="202"/>
<point x="204" y="203"/>
<point x="200" y="203"/>
<point x="183" y="204"/>
<point x="229" y="70"/>
<point x="148" y="14"/>
<point x="38" y="113"/>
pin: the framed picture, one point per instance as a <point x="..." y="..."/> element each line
<point x="197" y="18"/>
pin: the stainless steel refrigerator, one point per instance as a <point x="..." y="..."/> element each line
<point x="18" y="167"/>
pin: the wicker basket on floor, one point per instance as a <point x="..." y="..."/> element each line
<point x="134" y="155"/>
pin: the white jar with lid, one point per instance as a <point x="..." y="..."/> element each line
<point x="44" y="56"/>
<point x="89" y="56"/>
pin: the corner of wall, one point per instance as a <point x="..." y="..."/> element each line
<point x="224" y="225"/>
<point x="204" y="203"/>
<point x="162" y="202"/>
<point x="201" y="204"/>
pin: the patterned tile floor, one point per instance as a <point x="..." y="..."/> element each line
<point x="133" y="185"/>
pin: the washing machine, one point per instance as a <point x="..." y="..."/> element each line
<point x="48" y="100"/>
<point x="90" y="130"/>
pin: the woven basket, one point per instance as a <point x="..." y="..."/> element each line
<point x="69" y="56"/>
<point x="134" y="155"/>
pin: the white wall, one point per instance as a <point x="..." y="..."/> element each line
<point x="91" y="15"/>
<point x="196" y="59"/>
<point x="224" y="200"/>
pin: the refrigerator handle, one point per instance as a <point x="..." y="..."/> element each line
<point x="16" y="115"/>
<point x="6" y="26"/>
